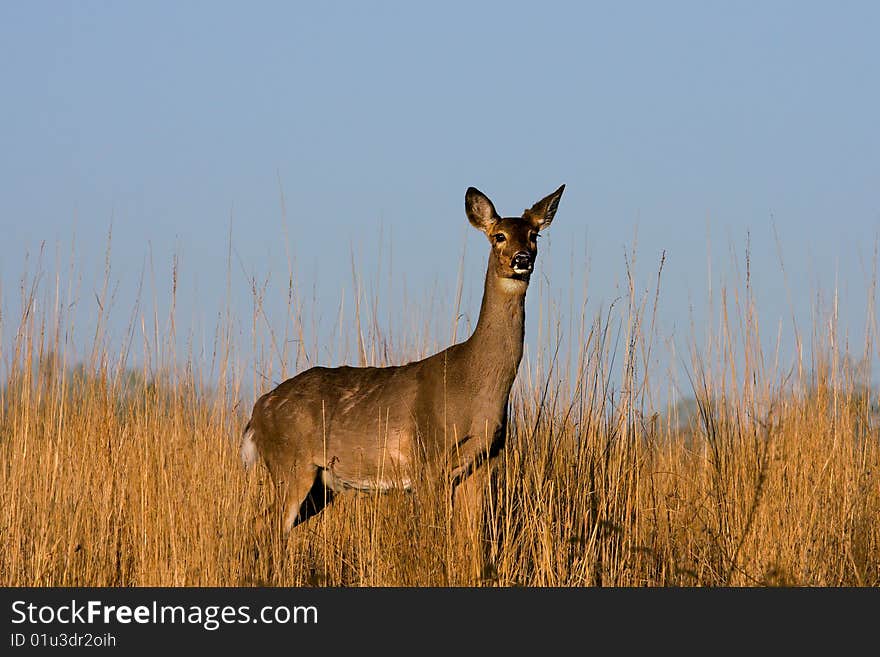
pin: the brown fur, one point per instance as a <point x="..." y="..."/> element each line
<point x="370" y="427"/>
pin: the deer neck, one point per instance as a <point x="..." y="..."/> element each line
<point x="496" y="346"/>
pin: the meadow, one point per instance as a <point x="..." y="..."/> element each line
<point x="114" y="474"/>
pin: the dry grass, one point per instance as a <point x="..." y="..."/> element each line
<point x="115" y="478"/>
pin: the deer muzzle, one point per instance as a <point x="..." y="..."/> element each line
<point x="521" y="263"/>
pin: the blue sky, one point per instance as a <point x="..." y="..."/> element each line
<point x="690" y="124"/>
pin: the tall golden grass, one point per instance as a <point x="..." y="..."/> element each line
<point x="121" y="477"/>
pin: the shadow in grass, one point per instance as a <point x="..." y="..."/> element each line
<point x="319" y="497"/>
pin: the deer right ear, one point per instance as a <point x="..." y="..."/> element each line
<point x="480" y="211"/>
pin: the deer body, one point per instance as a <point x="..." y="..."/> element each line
<point x="377" y="428"/>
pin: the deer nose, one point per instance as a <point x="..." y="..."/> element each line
<point x="522" y="262"/>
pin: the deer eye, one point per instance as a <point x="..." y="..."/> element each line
<point x="499" y="238"/>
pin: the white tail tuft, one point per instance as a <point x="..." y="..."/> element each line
<point x="248" y="447"/>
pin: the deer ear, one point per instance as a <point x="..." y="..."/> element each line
<point x="480" y="211"/>
<point x="542" y="212"/>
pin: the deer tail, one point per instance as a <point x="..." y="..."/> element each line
<point x="248" y="447"/>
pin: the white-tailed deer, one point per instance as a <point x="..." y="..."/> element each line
<point x="377" y="428"/>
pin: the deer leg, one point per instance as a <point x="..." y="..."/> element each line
<point x="467" y="522"/>
<point x="469" y="506"/>
<point x="294" y="495"/>
<point x="270" y="528"/>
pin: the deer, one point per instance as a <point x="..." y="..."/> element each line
<point x="384" y="428"/>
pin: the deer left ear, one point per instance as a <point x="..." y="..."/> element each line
<point x="542" y="212"/>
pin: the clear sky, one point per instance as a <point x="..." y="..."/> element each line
<point x="681" y="121"/>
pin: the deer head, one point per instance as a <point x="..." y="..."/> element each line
<point x="514" y="240"/>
